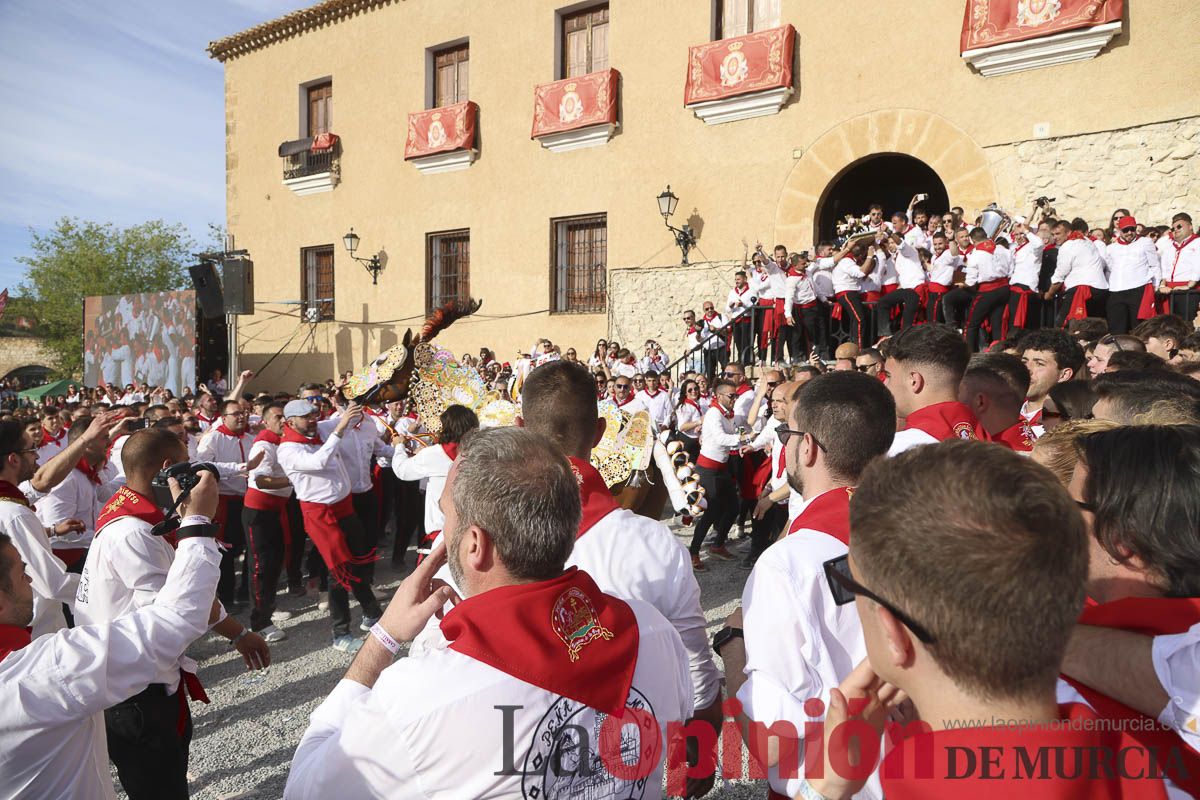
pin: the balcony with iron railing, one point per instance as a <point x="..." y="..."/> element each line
<point x="312" y="164"/>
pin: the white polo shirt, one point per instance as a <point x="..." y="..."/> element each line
<point x="52" y="584"/>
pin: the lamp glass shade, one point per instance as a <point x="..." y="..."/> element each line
<point x="667" y="202"/>
<point x="351" y="241"/>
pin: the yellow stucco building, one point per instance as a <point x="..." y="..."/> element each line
<point x="561" y="235"/>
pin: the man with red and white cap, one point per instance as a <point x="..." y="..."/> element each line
<point x="479" y="707"/>
<point x="310" y="454"/>
<point x="1133" y="273"/>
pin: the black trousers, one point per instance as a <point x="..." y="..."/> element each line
<point x="908" y="300"/>
<point x="235" y="536"/>
<point x="713" y="359"/>
<point x="1184" y="304"/>
<point x="1097" y="305"/>
<point x="722" y="496"/>
<point x="145" y="745"/>
<point x="339" y="598"/>
<point x="295" y="547"/>
<point x="988" y="306"/>
<point x="1033" y="309"/>
<point x="691" y="446"/>
<point x="265" y="544"/>
<point x="955" y="306"/>
<point x="366" y="508"/>
<point x="743" y="331"/>
<point x="810" y="329"/>
<point x="766" y="530"/>
<point x="854" y="317"/>
<point x="1122" y="309"/>
<point x="412" y="518"/>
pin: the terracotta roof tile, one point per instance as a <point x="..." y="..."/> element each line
<point x="289" y="25"/>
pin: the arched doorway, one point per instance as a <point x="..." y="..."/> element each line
<point x="890" y="179"/>
<point x="30" y="375"/>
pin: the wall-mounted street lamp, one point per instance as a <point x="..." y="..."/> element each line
<point x="372" y="264"/>
<point x="685" y="237"/>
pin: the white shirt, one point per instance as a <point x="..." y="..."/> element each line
<point x="685" y="413"/>
<point x="216" y="446"/>
<point x="1027" y="261"/>
<point x="53" y="692"/>
<point x="713" y="340"/>
<point x="269" y="467"/>
<point x="916" y="237"/>
<point x="908" y="266"/>
<point x="47" y="451"/>
<point x="659" y="406"/>
<point x="847" y="276"/>
<point x="717" y="435"/>
<point x="1079" y="264"/>
<point x="75" y="497"/>
<point x="909" y="438"/>
<point x="943" y="267"/>
<point x="392" y="741"/>
<point x="982" y="267"/>
<point x="766" y="441"/>
<point x="800" y="291"/>
<point x="637" y="558"/>
<point x="738" y="300"/>
<point x="654" y="363"/>
<point x="430" y="463"/>
<point x="361" y="445"/>
<point x="1182" y="264"/>
<point x="821" y="271"/>
<point x="799" y="643"/>
<point x="52" y="584"/>
<point x="1177" y="664"/>
<point x="885" y="269"/>
<point x="316" y="472"/>
<point x="1133" y="265"/>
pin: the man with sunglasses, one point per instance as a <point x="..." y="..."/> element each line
<point x="798" y="642"/>
<point x="1179" y="254"/>
<point x="1133" y="273"/>
<point x="924" y="367"/>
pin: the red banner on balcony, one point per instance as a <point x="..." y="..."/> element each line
<point x="740" y="65"/>
<point x="441" y="130"/>
<point x="574" y="103"/>
<point x="991" y="22"/>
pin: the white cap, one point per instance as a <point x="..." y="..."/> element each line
<point x="298" y="408"/>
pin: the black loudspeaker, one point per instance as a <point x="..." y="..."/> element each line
<point x="208" y="288"/>
<point x="212" y="347"/>
<point x="238" y="282"/>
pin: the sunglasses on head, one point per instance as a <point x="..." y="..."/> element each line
<point x="1112" y="341"/>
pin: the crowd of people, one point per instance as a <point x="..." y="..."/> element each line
<point x="989" y="560"/>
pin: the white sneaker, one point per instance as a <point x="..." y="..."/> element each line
<point x="368" y="623"/>
<point x="279" y="615"/>
<point x="271" y="634"/>
<point x="347" y="643"/>
<point x="323" y="602"/>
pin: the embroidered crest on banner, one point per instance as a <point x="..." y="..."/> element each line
<point x="1031" y="13"/>
<point x="734" y="68"/>
<point x="575" y="621"/>
<point x="570" y="107"/>
<point x="437" y="132"/>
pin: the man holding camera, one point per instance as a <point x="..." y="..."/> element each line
<point x="53" y="689"/>
<point x="126" y="569"/>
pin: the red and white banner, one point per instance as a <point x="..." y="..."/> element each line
<point x="574" y="103"/>
<point x="752" y="63"/>
<point x="992" y="22"/>
<point x="441" y="130"/>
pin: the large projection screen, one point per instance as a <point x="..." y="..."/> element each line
<point x="140" y="338"/>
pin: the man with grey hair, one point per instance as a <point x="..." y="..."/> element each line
<point x="479" y="709"/>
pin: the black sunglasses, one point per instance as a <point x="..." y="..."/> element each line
<point x="865" y="367"/>
<point x="1112" y="341"/>
<point x="787" y="433"/>
<point x="843" y="587"/>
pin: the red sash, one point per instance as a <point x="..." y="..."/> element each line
<point x="906" y="772"/>
<point x="991" y="286"/>
<point x="1152" y="616"/>
<point x="836" y="311"/>
<point x="563" y="635"/>
<point x="1146" y="307"/>
<point x="828" y="512"/>
<point x="13" y="638"/>
<point x="1022" y="310"/>
<point x="595" y="498"/>
<point x="944" y="421"/>
<point x="1164" y="302"/>
<point x="321" y="524"/>
<point x="128" y="503"/>
<point x="708" y="463"/>
<point x="1079" y="299"/>
<point x="938" y="288"/>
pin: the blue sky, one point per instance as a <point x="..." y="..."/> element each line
<point x="114" y="112"/>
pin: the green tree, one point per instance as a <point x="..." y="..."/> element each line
<point x="78" y="258"/>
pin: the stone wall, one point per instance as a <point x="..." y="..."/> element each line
<point x="1153" y="170"/>
<point x="23" y="351"/>
<point x="648" y="302"/>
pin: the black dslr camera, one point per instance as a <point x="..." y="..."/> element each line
<point x="188" y="475"/>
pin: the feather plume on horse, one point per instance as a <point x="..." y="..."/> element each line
<point x="389" y="376"/>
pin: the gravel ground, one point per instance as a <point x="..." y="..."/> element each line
<point x="244" y="740"/>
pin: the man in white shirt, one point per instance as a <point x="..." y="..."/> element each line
<point x="478" y="709"/>
<point x="227" y="441"/>
<point x="1180" y="265"/>
<point x="715" y="339"/>
<point x="656" y="401"/>
<point x="314" y="466"/>
<point x="910" y="280"/>
<point x="53" y="435"/>
<point x="654" y="361"/>
<point x="1080" y="272"/>
<point x="1052" y="357"/>
<point x="1133" y="275"/>
<point x="718" y="436"/>
<point x="771" y="509"/>
<point x="1024" y="299"/>
<point x="52" y="690"/>
<point x="362" y="445"/>
<point x="853" y="265"/>
<point x="149" y="734"/>
<point x="804" y="308"/>
<point x="987" y="275"/>
<point x="799" y="643"/>
<point x="945" y="263"/>
<point x="738" y="304"/>
<point x="79" y="496"/>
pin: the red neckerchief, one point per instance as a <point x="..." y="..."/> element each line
<point x="13" y="638"/>
<point x="451" y="450"/>
<point x="687" y="401"/>
<point x="652" y="396"/>
<point x="1036" y="419"/>
<point x="290" y="434"/>
<point x="852" y="257"/>
<point x="944" y="420"/>
<point x="1019" y="437"/>
<point x="710" y="316"/>
<point x="742" y="289"/>
<point x="987" y="246"/>
<point x="629" y="360"/>
<point x="627" y="402"/>
<point x="1075" y="236"/>
<point x="221" y="429"/>
<point x="87" y="469"/>
<point x="128" y="503"/>
<point x="782" y="462"/>
<point x="727" y="414"/>
<point x="563" y="635"/>
<point x="1020" y="245"/>
<point x="925" y="777"/>
<point x="742" y="389"/>
<point x="200" y="416"/>
<point x="594" y="495"/>
<point x="7" y="490"/>
<point x="1152" y="616"/>
<point x="692" y="330"/>
<point x="268" y="436"/>
<point x="828" y="512"/>
<point x="48" y="439"/>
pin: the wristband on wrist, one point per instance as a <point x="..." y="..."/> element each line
<point x="233" y="642"/>
<point x="385" y="639"/>
<point x="807" y="792"/>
